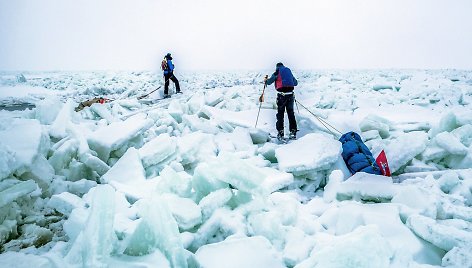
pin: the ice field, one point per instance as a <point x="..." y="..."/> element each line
<point x="190" y="182"/>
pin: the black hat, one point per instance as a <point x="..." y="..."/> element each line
<point x="168" y="55"/>
<point x="279" y="64"/>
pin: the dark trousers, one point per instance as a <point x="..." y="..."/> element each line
<point x="285" y="102"/>
<point x="168" y="77"/>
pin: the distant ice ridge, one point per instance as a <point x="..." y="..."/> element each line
<point x="176" y="183"/>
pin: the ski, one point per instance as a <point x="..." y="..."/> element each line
<point x="145" y="95"/>
<point x="152" y="101"/>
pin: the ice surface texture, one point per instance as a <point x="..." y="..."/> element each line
<point x="189" y="182"/>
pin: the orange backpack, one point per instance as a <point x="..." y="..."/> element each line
<point x="164" y="64"/>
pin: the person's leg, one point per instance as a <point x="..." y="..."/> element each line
<point x="281" y="102"/>
<point x="166" y="84"/>
<point x="292" y="122"/>
<point x="176" y="82"/>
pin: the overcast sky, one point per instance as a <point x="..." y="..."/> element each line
<point x="242" y="34"/>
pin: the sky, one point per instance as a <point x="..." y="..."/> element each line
<point x="234" y="35"/>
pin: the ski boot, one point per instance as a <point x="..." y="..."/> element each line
<point x="280" y="136"/>
<point x="292" y="135"/>
<point x="166" y="96"/>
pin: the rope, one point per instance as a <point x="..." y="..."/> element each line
<point x="323" y="122"/>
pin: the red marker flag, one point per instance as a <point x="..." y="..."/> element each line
<point x="383" y="163"/>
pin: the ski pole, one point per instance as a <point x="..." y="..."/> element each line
<point x="261" y="99"/>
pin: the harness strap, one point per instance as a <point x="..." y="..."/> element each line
<point x="285" y="93"/>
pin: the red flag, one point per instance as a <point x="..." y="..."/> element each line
<point x="383" y="163"/>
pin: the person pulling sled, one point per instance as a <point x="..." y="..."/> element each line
<point x="285" y="83"/>
<point x="168" y="68"/>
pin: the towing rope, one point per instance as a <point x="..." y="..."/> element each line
<point x="323" y="122"/>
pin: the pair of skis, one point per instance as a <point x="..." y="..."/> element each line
<point x="283" y="140"/>
<point x="152" y="101"/>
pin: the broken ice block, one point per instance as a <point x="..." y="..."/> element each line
<point x="24" y="138"/>
<point x="450" y="143"/>
<point x="373" y="122"/>
<point x="239" y="252"/>
<point x="93" y="246"/>
<point x="65" y="202"/>
<point x="319" y="152"/>
<point x="442" y="236"/>
<point x="16" y="191"/>
<point x="114" y="136"/>
<point x="366" y="187"/>
<point x="157" y="229"/>
<point x="128" y="169"/>
<point x="7" y="161"/>
<point x="228" y="169"/>
<point x="402" y="150"/>
<point x="157" y="150"/>
<point x="185" y="211"/>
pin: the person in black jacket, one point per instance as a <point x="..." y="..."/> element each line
<point x="284" y="84"/>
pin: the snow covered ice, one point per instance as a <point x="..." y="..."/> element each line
<point x="190" y="182"/>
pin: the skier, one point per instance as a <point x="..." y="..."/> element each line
<point x="168" y="67"/>
<point x="284" y="84"/>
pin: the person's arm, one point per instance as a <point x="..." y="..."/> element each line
<point x="271" y="79"/>
<point x="295" y="82"/>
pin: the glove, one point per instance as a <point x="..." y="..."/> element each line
<point x="261" y="98"/>
<point x="265" y="79"/>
